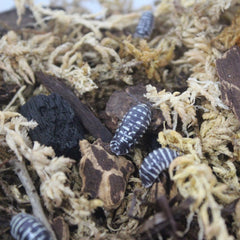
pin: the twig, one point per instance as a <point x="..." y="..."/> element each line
<point x="21" y="170"/>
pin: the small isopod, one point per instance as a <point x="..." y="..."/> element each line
<point x="145" y="25"/>
<point x="154" y="164"/>
<point x="132" y="128"/>
<point x="27" y="227"/>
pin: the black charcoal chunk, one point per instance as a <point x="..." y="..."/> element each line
<point x="58" y="125"/>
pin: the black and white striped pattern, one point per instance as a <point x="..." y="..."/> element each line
<point x="27" y="227"/>
<point x="154" y="164"/>
<point x="132" y="128"/>
<point x="145" y="25"/>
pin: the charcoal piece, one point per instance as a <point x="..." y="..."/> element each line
<point x="58" y="126"/>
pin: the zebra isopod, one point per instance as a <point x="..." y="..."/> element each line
<point x="27" y="227"/>
<point x="156" y="161"/>
<point x="145" y="25"/>
<point x="132" y="128"/>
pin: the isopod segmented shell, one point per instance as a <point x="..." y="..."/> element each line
<point x="27" y="227"/>
<point x="132" y="128"/>
<point x="145" y="25"/>
<point x="154" y="164"/>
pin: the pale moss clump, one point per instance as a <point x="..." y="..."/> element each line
<point x="194" y="178"/>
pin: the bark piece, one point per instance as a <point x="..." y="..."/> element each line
<point x="89" y="121"/>
<point x="8" y="20"/>
<point x="228" y="69"/>
<point x="104" y="175"/>
<point x="60" y="228"/>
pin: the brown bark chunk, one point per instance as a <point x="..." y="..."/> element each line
<point x="104" y="175"/>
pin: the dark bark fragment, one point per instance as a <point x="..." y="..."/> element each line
<point x="8" y="20"/>
<point x="228" y="69"/>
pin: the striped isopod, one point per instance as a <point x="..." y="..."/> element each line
<point x="27" y="227"/>
<point x="132" y="128"/>
<point x="145" y="25"/>
<point x="154" y="164"/>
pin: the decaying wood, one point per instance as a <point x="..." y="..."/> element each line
<point x="229" y="73"/>
<point x="89" y="121"/>
<point x="176" y="58"/>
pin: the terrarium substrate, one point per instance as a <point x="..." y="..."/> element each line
<point x="187" y="70"/>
